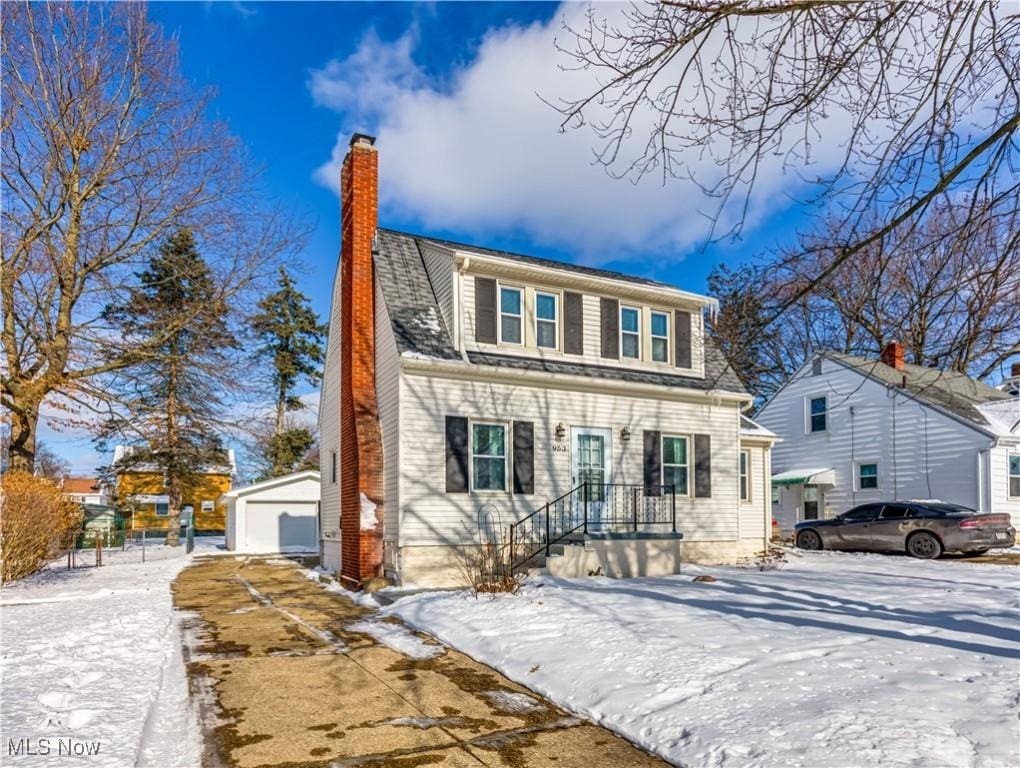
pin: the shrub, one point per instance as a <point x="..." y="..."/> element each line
<point x="485" y="566"/>
<point x="36" y="521"/>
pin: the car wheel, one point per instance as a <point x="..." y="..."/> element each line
<point x="924" y="545"/>
<point x="809" y="540"/>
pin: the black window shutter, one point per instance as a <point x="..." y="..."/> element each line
<point x="573" y="323"/>
<point x="485" y="310"/>
<point x="682" y="326"/>
<point x="456" y="454"/>
<point x="524" y="457"/>
<point x="653" y="463"/>
<point x="611" y="328"/>
<point x="702" y="466"/>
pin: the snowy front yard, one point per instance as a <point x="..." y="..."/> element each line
<point x="91" y="664"/>
<point x="835" y="660"/>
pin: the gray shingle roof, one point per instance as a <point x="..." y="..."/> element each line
<point x="949" y="390"/>
<point x="418" y="324"/>
<point x="419" y="328"/>
<point x="537" y="261"/>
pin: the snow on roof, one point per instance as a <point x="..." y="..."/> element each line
<point x="754" y="429"/>
<point x="818" y="476"/>
<point x="307" y="474"/>
<point x="1002" y="416"/>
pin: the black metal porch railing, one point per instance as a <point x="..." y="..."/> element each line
<point x="592" y="508"/>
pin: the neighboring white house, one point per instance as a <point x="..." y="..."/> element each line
<point x="277" y="515"/>
<point x="856" y="430"/>
<point x="465" y="389"/>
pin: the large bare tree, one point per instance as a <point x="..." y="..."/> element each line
<point x="876" y="111"/>
<point x="105" y="151"/>
<point x="948" y="289"/>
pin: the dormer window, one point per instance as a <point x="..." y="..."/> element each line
<point x="546" y="320"/>
<point x="511" y="307"/>
<point x="630" y="333"/>
<point x="660" y="337"/>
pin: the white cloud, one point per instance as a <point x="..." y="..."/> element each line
<point x="482" y="153"/>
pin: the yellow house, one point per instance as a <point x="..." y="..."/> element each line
<point x="142" y="495"/>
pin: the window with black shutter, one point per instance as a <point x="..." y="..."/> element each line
<point x="485" y="310"/>
<point x="610" y="328"/>
<point x="682" y="322"/>
<point x="456" y="454"/>
<point x="524" y="457"/>
<point x="702" y="466"/>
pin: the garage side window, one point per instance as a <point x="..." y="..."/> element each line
<point x="1014" y="476"/>
<point x="162" y="509"/>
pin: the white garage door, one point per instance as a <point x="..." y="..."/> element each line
<point x="279" y="526"/>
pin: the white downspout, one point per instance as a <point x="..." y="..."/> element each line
<point x="981" y="480"/>
<point x="459" y="310"/>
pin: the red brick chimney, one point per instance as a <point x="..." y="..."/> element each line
<point x="361" y="457"/>
<point x="1014" y="371"/>
<point x="892" y="355"/>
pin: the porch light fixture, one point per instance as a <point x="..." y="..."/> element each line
<point x="561" y="431"/>
<point x="625" y="434"/>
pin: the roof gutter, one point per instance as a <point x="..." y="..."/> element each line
<point x="597" y="285"/>
<point x="455" y="369"/>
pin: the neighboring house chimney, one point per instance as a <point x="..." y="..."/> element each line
<point x="892" y="355"/>
<point x="361" y="457"/>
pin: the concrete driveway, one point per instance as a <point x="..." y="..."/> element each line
<point x="282" y="679"/>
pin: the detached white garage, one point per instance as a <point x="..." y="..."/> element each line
<point x="277" y="515"/>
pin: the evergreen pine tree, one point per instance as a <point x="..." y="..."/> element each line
<point x="172" y="401"/>
<point x="290" y="337"/>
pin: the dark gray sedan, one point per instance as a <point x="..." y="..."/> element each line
<point x="923" y="529"/>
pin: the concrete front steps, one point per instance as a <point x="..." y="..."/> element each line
<point x="618" y="555"/>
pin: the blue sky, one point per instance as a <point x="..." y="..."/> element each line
<point x="468" y="150"/>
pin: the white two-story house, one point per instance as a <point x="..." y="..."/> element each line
<point x="857" y="430"/>
<point x="474" y="396"/>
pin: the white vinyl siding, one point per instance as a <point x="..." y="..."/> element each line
<point x="428" y="515"/>
<point x="745" y="476"/>
<point x="439" y="265"/>
<point x="387" y="393"/>
<point x="755" y="519"/>
<point x="329" y="437"/>
<point x="921" y="452"/>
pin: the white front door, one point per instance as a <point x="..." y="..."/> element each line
<point x="591" y="463"/>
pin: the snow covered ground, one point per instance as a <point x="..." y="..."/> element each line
<point x="834" y="660"/>
<point x="91" y="664"/>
